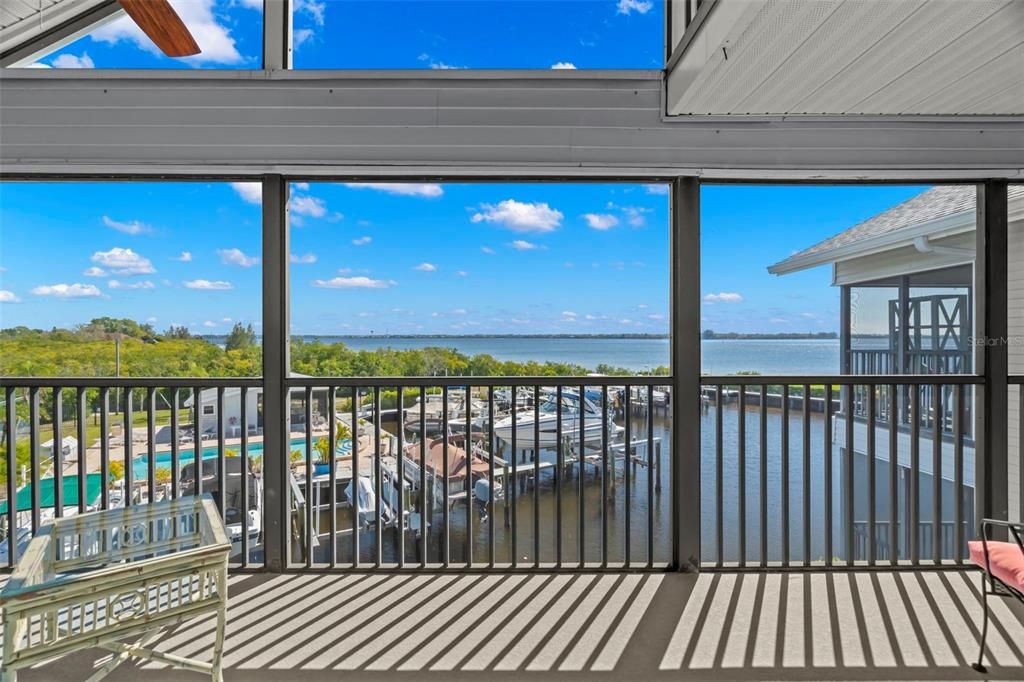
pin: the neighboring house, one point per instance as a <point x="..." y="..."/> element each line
<point x="906" y="279"/>
<point x="232" y="417"/>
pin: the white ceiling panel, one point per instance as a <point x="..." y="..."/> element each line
<point x="842" y="57"/>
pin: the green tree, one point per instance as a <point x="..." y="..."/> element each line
<point x="240" y="338"/>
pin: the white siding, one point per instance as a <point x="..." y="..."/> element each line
<point x="506" y="123"/>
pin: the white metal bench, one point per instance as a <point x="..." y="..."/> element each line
<point x="93" y="580"/>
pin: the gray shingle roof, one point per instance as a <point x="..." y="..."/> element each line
<point x="932" y="204"/>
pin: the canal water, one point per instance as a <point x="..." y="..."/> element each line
<point x="634" y="496"/>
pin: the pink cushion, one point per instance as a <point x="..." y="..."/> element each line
<point x="1006" y="559"/>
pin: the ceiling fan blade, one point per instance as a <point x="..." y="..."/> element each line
<point x="161" y="23"/>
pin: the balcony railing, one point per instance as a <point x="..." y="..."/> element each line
<point x="403" y="473"/>
<point x="779" y="487"/>
<point x="120" y="461"/>
<point x="499" y="473"/>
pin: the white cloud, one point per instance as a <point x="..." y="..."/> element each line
<point x="601" y="221"/>
<point x="68" y="291"/>
<point x="523" y="245"/>
<point x="461" y="273"/>
<point x="249" y="191"/>
<point x="657" y="189"/>
<point x="151" y="319"/>
<point x="591" y="317"/>
<point x="426" y="267"/>
<point x="488" y="250"/>
<point x="656" y="317"/>
<point x="301" y="35"/>
<point x="407" y="189"/>
<point x="185" y="257"/>
<point x="123" y="262"/>
<point x="634" y="214"/>
<point x="520" y="216"/>
<point x="94" y="272"/>
<point x="809" y="316"/>
<point x="569" y="315"/>
<point x="213" y="37"/>
<point x="641" y="306"/>
<point x="362" y="241"/>
<point x="459" y="311"/>
<point x="134" y="227"/>
<point x="209" y="323"/>
<point x="8" y="297"/>
<point x="353" y="283"/>
<point x="70" y="61"/>
<point x="638" y="6"/>
<point x="115" y="284"/>
<point x="444" y="67"/>
<point x="237" y="257"/>
<point x="563" y="65"/>
<point x="304" y="186"/>
<point x="778" y="320"/>
<point x="308" y="206"/>
<point x="207" y="285"/>
<point x="724" y="297"/>
<point x="307" y="259"/>
<point x="313" y="8"/>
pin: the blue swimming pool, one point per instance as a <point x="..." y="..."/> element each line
<point x="162" y="460"/>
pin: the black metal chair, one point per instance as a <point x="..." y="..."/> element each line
<point x="999" y="584"/>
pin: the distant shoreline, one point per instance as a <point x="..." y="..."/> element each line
<point x="442" y="337"/>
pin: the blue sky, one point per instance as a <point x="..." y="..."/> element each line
<point x="398" y="34"/>
<point x="417" y="258"/>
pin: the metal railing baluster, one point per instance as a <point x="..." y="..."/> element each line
<point x="894" y="499"/>
<point x="785" y="475"/>
<point x="490" y="474"/>
<point x="57" y="452"/>
<point x="915" y="474"/>
<point x="627" y="479"/>
<point x="763" y="472"/>
<point x="468" y="443"/>
<point x="151" y="443"/>
<point x="308" y="429"/>
<point x="356" y="484"/>
<point x="872" y="537"/>
<point x="806" y="477"/>
<point x="128" y="430"/>
<point x="958" y="469"/>
<point x="445" y="527"/>
<point x="378" y="482"/>
<point x="83" y="468"/>
<point x="559" y="467"/>
<point x="33" y="438"/>
<point x="221" y="475"/>
<point x="827" y="498"/>
<point x="175" y="438"/>
<point x="105" y="447"/>
<point x="848" y="506"/>
<point x="197" y="439"/>
<point x="11" y="438"/>
<point x="515" y="477"/>
<point x="938" y="426"/>
<point x="244" y="454"/>
<point x="719" y="485"/>
<point x="423" y="478"/>
<point x="604" y="477"/>
<point x="741" y="472"/>
<point x="650" y="479"/>
<point x="537" y="479"/>
<point x="400" y="529"/>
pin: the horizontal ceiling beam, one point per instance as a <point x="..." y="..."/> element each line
<point x="474" y="123"/>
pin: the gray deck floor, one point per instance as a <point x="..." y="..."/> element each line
<point x="779" y="626"/>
